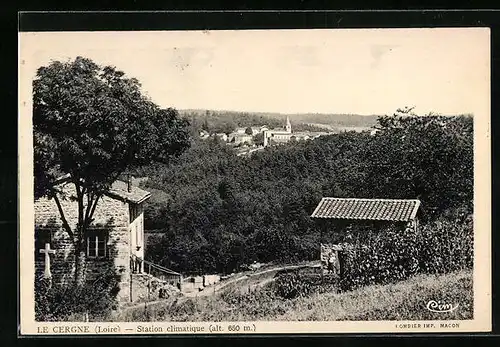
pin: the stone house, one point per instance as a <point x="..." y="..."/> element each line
<point x="338" y="215"/>
<point x="241" y="139"/>
<point x="257" y="130"/>
<point x="117" y="229"/>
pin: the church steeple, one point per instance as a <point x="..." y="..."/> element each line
<point x="288" y="126"/>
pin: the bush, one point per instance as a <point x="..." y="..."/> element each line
<point x="383" y="257"/>
<point x="303" y="283"/>
<point x="386" y="256"/>
<point x="447" y="244"/>
<point x="291" y="286"/>
<point x="59" y="302"/>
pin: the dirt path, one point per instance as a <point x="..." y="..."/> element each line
<point x="257" y="275"/>
<point x="255" y="279"/>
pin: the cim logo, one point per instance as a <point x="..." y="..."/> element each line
<point x="440" y="307"/>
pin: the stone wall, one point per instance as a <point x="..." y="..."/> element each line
<point x="148" y="288"/>
<point x="198" y="283"/>
<point x="111" y="216"/>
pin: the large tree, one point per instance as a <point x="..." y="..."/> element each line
<point x="92" y="123"/>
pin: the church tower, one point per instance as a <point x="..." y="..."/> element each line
<point x="288" y="126"/>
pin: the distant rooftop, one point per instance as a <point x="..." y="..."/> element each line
<point x="367" y="209"/>
<point x="119" y="190"/>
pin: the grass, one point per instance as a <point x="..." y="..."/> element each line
<point x="404" y="300"/>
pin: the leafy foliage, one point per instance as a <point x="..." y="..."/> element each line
<point x="447" y="244"/>
<point x="390" y="254"/>
<point x="301" y="284"/>
<point x="61" y="302"/>
<point x="380" y="257"/>
<point x="226" y="210"/>
<point x="227" y="121"/>
<point x="93" y="123"/>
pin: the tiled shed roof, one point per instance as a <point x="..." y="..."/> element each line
<point x="119" y="190"/>
<point x="367" y="209"/>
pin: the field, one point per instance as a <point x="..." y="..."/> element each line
<point x="405" y="300"/>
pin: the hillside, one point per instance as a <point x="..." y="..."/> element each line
<point x="405" y="300"/>
<point x="337" y="120"/>
<point x="223" y="210"/>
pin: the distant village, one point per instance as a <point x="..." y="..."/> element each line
<point x="254" y="138"/>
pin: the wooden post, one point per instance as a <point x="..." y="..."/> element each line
<point x="149" y="288"/>
<point x="322" y="226"/>
<point x="131" y="277"/>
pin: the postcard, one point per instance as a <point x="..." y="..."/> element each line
<point x="254" y="182"/>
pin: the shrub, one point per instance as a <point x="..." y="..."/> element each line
<point x="394" y="254"/>
<point x="302" y="283"/>
<point x="59" y="302"/>
<point x="291" y="286"/>
<point x="447" y="244"/>
<point x="383" y="257"/>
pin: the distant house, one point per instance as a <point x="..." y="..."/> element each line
<point x="117" y="230"/>
<point x="240" y="135"/>
<point x="256" y="130"/>
<point x="237" y="139"/>
<point x="336" y="215"/>
<point x="301" y="136"/>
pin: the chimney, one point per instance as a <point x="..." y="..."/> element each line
<point x="129" y="183"/>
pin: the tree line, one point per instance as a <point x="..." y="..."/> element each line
<point x="228" y="121"/>
<point x="223" y="211"/>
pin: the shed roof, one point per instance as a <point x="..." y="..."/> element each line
<point x="367" y="209"/>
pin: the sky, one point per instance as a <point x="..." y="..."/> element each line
<point x="353" y="71"/>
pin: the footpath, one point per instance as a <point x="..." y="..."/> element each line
<point x="254" y="279"/>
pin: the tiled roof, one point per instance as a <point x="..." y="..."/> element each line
<point x="367" y="209"/>
<point x="119" y="190"/>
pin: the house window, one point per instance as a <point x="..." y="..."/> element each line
<point x="97" y="245"/>
<point x="41" y="238"/>
<point x="134" y="212"/>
